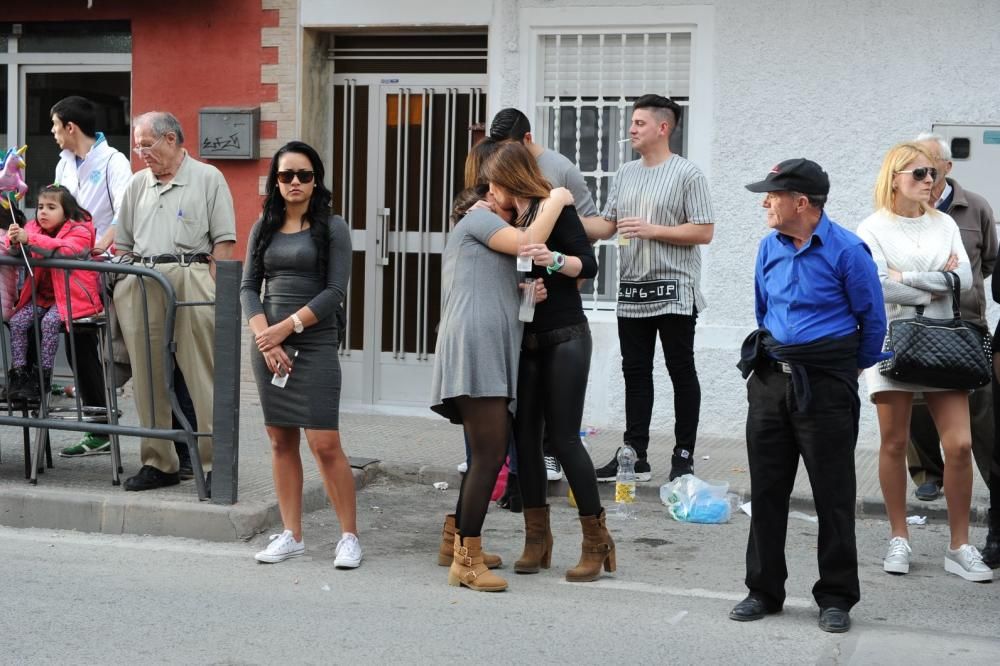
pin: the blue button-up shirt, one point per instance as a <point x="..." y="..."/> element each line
<point x="827" y="288"/>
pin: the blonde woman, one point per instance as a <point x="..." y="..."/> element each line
<point x="913" y="245"/>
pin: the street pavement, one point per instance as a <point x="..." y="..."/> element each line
<point x="82" y="598"/>
<point x="408" y="443"/>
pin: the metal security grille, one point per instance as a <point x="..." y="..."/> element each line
<point x="587" y="83"/>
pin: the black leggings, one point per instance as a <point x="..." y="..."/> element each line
<point x="487" y="429"/>
<point x="551" y="387"/>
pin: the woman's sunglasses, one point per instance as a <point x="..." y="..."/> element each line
<point x="304" y="176"/>
<point x="921" y="173"/>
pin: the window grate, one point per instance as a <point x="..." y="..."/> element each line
<point x="588" y="82"/>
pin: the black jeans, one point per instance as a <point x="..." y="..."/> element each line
<point x="825" y="436"/>
<point x="551" y="388"/>
<point x="637" y="338"/>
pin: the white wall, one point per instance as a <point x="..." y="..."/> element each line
<point x="838" y="82"/>
<point x="352" y="13"/>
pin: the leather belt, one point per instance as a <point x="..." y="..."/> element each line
<point x="182" y="259"/>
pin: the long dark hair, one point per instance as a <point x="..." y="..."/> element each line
<point x="72" y="210"/>
<point x="318" y="212"/>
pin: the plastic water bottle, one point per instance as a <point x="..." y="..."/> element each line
<point x="625" y="484"/>
<point x="569" y="493"/>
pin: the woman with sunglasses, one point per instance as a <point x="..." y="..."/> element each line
<point x="303" y="254"/>
<point x="913" y="246"/>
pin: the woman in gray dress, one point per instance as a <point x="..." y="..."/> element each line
<point x="303" y="255"/>
<point x="476" y="360"/>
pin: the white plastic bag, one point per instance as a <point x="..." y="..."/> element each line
<point x="691" y="500"/>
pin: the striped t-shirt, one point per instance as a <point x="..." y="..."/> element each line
<point x="659" y="278"/>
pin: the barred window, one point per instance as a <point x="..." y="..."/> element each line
<point x="587" y="83"/>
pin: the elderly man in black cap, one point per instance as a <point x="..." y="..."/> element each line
<point x="821" y="320"/>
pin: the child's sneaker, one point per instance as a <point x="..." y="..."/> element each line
<point x="282" y="547"/>
<point x="91" y="445"/>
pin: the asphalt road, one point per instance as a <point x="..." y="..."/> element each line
<point x="73" y="598"/>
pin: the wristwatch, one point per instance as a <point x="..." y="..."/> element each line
<point x="558" y="261"/>
<point x="297" y="324"/>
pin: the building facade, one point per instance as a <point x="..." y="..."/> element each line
<point x="393" y="92"/>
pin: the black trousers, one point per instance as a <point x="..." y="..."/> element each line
<point x="824" y="435"/>
<point x="89" y="370"/>
<point x="551" y="389"/>
<point x="637" y="338"/>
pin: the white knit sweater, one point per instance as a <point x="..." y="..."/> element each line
<point x="918" y="248"/>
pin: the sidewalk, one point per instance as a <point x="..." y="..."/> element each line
<point x="412" y="444"/>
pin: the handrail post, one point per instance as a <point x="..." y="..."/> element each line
<point x="226" y="399"/>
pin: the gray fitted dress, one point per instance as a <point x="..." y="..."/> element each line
<point x="479" y="338"/>
<point x="311" y="398"/>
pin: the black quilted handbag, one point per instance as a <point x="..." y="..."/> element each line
<point x="940" y="353"/>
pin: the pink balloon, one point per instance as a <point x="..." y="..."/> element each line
<point x="12" y="176"/>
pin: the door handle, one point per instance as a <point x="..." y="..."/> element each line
<point x="382" y="236"/>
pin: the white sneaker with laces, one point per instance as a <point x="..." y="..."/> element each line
<point x="897" y="560"/>
<point x="965" y="561"/>
<point x="463" y="467"/>
<point x="553" y="470"/>
<point x="282" y="547"/>
<point x="348" y="552"/>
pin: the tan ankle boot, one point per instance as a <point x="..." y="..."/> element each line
<point x="598" y="549"/>
<point x="537" y="541"/>
<point x="468" y="568"/>
<point x="446" y="552"/>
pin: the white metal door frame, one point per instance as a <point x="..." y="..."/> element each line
<point x="379" y="240"/>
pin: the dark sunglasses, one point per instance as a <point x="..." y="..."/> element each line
<point x="921" y="173"/>
<point x="304" y="176"/>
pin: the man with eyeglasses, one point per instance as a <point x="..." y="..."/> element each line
<point x="974" y="216"/>
<point x="176" y="216"/>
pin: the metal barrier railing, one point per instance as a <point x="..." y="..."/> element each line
<point x="225" y="426"/>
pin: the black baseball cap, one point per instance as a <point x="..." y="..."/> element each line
<point x="798" y="175"/>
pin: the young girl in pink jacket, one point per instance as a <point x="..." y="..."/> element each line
<point x="62" y="229"/>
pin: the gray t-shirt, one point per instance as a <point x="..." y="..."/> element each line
<point x="561" y="172"/>
<point x="659" y="278"/>
<point x="479" y="337"/>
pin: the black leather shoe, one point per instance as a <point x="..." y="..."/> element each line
<point x="149" y="478"/>
<point x="991" y="551"/>
<point x="834" y="620"/>
<point x="750" y="609"/>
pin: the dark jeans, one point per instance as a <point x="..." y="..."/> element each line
<point x="551" y="388"/>
<point x="824" y="436"/>
<point x="638" y="346"/>
<point x="923" y="455"/>
<point x="89" y="369"/>
<point x="187" y="407"/>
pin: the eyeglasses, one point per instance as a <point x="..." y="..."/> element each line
<point x="305" y="176"/>
<point x="145" y="150"/>
<point x="921" y="173"/>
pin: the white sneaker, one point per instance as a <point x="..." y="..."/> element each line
<point x="282" y="547"/>
<point x="553" y="470"/>
<point x="897" y="560"/>
<point x="348" y="552"/>
<point x="463" y="467"/>
<point x="966" y="562"/>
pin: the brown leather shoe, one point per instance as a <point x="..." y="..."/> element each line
<point x="468" y="568"/>
<point x="598" y="550"/>
<point x="537" y="541"/>
<point x="448" y="545"/>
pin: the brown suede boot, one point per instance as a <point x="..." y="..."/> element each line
<point x="537" y="541"/>
<point x="468" y="568"/>
<point x="598" y="549"/>
<point x="446" y="552"/>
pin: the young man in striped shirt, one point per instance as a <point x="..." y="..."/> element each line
<point x="660" y="207"/>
